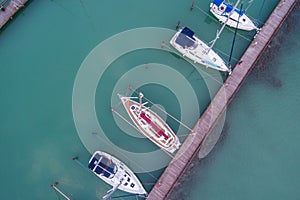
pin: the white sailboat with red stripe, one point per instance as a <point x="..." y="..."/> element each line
<point x="150" y="124"/>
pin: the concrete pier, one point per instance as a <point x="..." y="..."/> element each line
<point x="10" y="10"/>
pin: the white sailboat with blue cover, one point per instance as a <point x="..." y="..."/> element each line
<point x="195" y="49"/>
<point x="115" y="173"/>
<point x="233" y="17"/>
<point x="150" y="124"/>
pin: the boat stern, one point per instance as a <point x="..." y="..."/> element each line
<point x="174" y="146"/>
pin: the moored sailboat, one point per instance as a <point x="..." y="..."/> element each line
<point x="150" y="124"/>
<point x="115" y="173"/>
<point x="195" y="49"/>
<point x="233" y="17"/>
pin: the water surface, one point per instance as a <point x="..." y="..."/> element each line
<point x="41" y="52"/>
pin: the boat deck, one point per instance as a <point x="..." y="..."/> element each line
<point x="152" y="127"/>
<point x="12" y="7"/>
<point x="192" y="144"/>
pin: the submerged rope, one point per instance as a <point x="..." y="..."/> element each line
<point x="126" y="195"/>
<point x="257" y="21"/>
<point x="249" y="4"/>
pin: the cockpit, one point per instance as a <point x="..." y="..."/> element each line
<point x="185" y="39"/>
<point x="103" y="166"/>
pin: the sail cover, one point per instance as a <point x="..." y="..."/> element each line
<point x="218" y="2"/>
<point x="185" y="38"/>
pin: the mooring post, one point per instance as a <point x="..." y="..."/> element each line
<point x="59" y="191"/>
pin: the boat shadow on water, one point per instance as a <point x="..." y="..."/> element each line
<point x="209" y="20"/>
<point x="176" y="55"/>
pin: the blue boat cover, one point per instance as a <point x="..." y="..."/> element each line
<point x="218" y="2"/>
<point x="188" y="32"/>
<point x="185" y="38"/>
<point x="105" y="167"/>
<point x="229" y="8"/>
<point x="98" y="170"/>
<point x="92" y="163"/>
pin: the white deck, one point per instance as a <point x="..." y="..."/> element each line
<point x="199" y="53"/>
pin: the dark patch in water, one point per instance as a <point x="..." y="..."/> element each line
<point x="208" y="20"/>
<point x="188" y="178"/>
<point x="266" y="69"/>
<point x="180" y="192"/>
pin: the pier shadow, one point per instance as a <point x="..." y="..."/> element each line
<point x="208" y="20"/>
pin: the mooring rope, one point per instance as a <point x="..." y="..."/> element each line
<point x="260" y="11"/>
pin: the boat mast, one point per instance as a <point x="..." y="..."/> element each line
<point x="140" y="100"/>
<point x="111" y="191"/>
<point x="235" y="32"/>
<point x="219" y="32"/>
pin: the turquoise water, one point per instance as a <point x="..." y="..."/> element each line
<point x="45" y="51"/>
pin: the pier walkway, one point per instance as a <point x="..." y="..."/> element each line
<point x="192" y="144"/>
<point x="7" y="12"/>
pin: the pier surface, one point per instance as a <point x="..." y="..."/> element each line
<point x="192" y="144"/>
<point x="11" y="9"/>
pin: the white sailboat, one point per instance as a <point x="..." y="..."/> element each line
<point x="150" y="124"/>
<point x="231" y="16"/>
<point x="115" y="173"/>
<point x="192" y="47"/>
